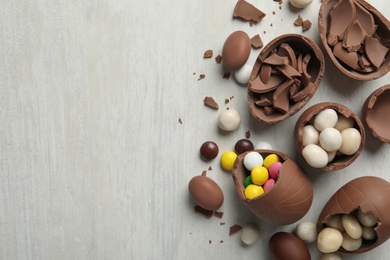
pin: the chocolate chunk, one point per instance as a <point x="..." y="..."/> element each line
<point x="210" y="102"/>
<point x="235" y="228"/>
<point x="265" y="73"/>
<point x="281" y="98"/>
<point x="375" y="51"/>
<point x="285" y="50"/>
<point x="348" y="58"/>
<point x="257" y="42"/>
<point x="218" y="214"/>
<point x="288" y="71"/>
<point x="298" y="21"/>
<point x="268" y="111"/>
<point x="354" y="37"/>
<point x="208" y="54"/>
<point x="275" y="59"/>
<point x="247" y="12"/>
<point x="258" y="86"/>
<point x="306" y="25"/>
<point x="205" y="212"/>
<point x="341" y="15"/>
<point x="365" y="19"/>
<point x="218" y="59"/>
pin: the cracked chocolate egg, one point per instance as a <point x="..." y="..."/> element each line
<point x="286" y="75"/>
<point x="376" y="113"/>
<point x="356" y="37"/>
<point x="287" y="201"/>
<point x="369" y="195"/>
<point x="312" y="139"/>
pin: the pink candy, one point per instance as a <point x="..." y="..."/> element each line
<point x="274" y="170"/>
<point x="268" y="185"/>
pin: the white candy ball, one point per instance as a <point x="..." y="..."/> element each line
<point x="253" y="159"/>
<point x="310" y="135"/>
<point x="331" y="256"/>
<point x="242" y="75"/>
<point x="263" y="146"/>
<point x="351" y="244"/>
<point x="352" y="226"/>
<point x="336" y="223"/>
<point x="329" y="240"/>
<point x="368" y="233"/>
<point x="331" y="156"/>
<point x="325" y="119"/>
<point x="351" y="141"/>
<point x="330" y="139"/>
<point x="301" y="3"/>
<point x="306" y="231"/>
<point x="229" y="120"/>
<point x="344" y="123"/>
<point x="366" y="219"/>
<point x="315" y="156"/>
<point x="250" y="233"/>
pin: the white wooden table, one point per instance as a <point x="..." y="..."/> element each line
<point x="94" y="163"/>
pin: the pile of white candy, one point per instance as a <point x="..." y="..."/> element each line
<point x="331" y="134"/>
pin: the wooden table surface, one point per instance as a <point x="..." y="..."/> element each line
<point x="94" y="162"/>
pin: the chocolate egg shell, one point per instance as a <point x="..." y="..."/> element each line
<point x="376" y="112"/>
<point x="236" y="50"/>
<point x="340" y="161"/>
<point x="279" y="86"/>
<point x="370" y="194"/>
<point x="286" y="246"/>
<point x="368" y="18"/>
<point x="287" y="201"/>
<point x="205" y="192"/>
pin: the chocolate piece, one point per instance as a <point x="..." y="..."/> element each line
<point x="208" y="54"/>
<point x="201" y="76"/>
<point x="301" y="95"/>
<point x="376" y="113"/>
<point x="354" y="37"/>
<point x="281" y="98"/>
<point x="306" y="25"/>
<point x="288" y="71"/>
<point x="375" y="51"/>
<point x="285" y="50"/>
<point x="206" y="213"/>
<point x="298" y="21"/>
<point x="342" y="161"/>
<point x="341" y="15"/>
<point x="365" y="19"/>
<point x="247" y="12"/>
<point x="287" y="246"/>
<point x="210" y="102"/>
<point x="218" y="214"/>
<point x="258" y="86"/>
<point x="268" y="110"/>
<point x="263" y="102"/>
<point x="348" y="58"/>
<point x="248" y="134"/>
<point x="180" y="120"/>
<point x="306" y="77"/>
<point x="369" y="194"/>
<point x="265" y="73"/>
<point x="287" y="202"/>
<point x="234" y="229"/>
<point x="218" y="59"/>
<point x="205" y="192"/>
<point x="257" y="42"/>
<point x="236" y="50"/>
<point x="275" y="59"/>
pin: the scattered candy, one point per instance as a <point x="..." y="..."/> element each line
<point x="315" y="156"/>
<point x="242" y="75"/>
<point x="229" y="120"/>
<point x="306" y="231"/>
<point x="227" y="160"/>
<point x="250" y="234"/>
<point x="310" y="135"/>
<point x="330" y="139"/>
<point x="243" y="145"/>
<point x="247" y="181"/>
<point x="209" y="150"/>
<point x="252" y="159"/>
<point x="259" y="175"/>
<point x="351" y="244"/>
<point x="270" y="159"/>
<point x="253" y="191"/>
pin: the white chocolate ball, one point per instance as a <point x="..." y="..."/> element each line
<point x="301" y="3"/>
<point x="335" y="222"/>
<point x="368" y="233"/>
<point x="330" y="139"/>
<point x="344" y="122"/>
<point x="229" y="120"/>
<point x="263" y="146"/>
<point x="325" y="119"/>
<point x="329" y="240"/>
<point x="315" y="156"/>
<point x="351" y="244"/>
<point x="253" y="159"/>
<point x="331" y="256"/>
<point x="310" y="135"/>
<point x="306" y="231"/>
<point x="351" y="141"/>
<point x="352" y="226"/>
<point x="367" y="220"/>
<point x="250" y="233"/>
<point x="242" y="75"/>
<point x="331" y="156"/>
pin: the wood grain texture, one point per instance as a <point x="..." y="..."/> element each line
<point x="94" y="163"/>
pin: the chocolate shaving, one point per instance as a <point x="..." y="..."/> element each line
<point x="288" y="71"/>
<point x="210" y="168"/>
<point x="301" y="95"/>
<point x="235" y="228"/>
<point x="208" y="54"/>
<point x="222" y="223"/>
<point x="247" y="12"/>
<point x="210" y="102"/>
<point x="226" y="75"/>
<point x="206" y="213"/>
<point x="257" y="42"/>
<point x="180" y="120"/>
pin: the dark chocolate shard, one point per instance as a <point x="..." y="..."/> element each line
<point x="348" y="58"/>
<point x="354" y="37"/>
<point x="259" y="86"/>
<point x="281" y="98"/>
<point x="247" y="12"/>
<point x="265" y="73"/>
<point x="375" y="51"/>
<point x="285" y="50"/>
<point x="257" y="42"/>
<point x="341" y="15"/>
<point x="210" y="102"/>
<point x="276" y="60"/>
<point x="365" y="19"/>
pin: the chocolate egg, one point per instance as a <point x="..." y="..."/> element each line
<point x="340" y="161"/>
<point x="286" y="246"/>
<point x="236" y="50"/>
<point x="356" y="37"/>
<point x="376" y="113"/>
<point x="287" y="201"/>
<point x="369" y="194"/>
<point x="286" y="75"/>
<point x="205" y="192"/>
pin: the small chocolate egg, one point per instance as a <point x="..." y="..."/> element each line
<point x="286" y="246"/>
<point x="236" y="50"/>
<point x="205" y="192"/>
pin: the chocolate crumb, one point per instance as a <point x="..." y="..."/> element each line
<point x="234" y="229"/>
<point x="218" y="214"/>
<point x="208" y="54"/>
<point x="201" y="76"/>
<point x="273" y="12"/>
<point x="227" y="100"/>
<point x="180" y="120"/>
<point x="210" y="102"/>
<point x="221" y="241"/>
<point x="222" y="223"/>
<point x="248" y="134"/>
<point x="271" y="25"/>
<point x="210" y="168"/>
<point x="204" y="173"/>
<point x="264" y="32"/>
<point x="298" y="21"/>
<point x="218" y="59"/>
<point x="226" y="75"/>
<point x="231" y="97"/>
<point x="209" y="241"/>
<point x="206" y="213"/>
<point x="306" y="25"/>
<point x="257" y="42"/>
<point x="193" y="73"/>
<point x="280" y="7"/>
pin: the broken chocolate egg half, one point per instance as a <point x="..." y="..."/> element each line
<point x="370" y="195"/>
<point x="340" y="160"/>
<point x="287" y="201"/>
<point x="356" y="37"/>
<point x="286" y="75"/>
<point x="376" y="113"/>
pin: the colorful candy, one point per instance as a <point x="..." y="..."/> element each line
<point x="270" y="159"/>
<point x="253" y="191"/>
<point x="259" y="175"/>
<point x="227" y="160"/>
<point x="274" y="169"/>
<point x="243" y="145"/>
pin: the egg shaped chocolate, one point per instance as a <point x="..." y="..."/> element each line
<point x="286" y="75"/>
<point x="376" y="111"/>
<point x="340" y="160"/>
<point x="205" y="192"/>
<point x="369" y="194"/>
<point x="286" y="246"/>
<point x="356" y="37"/>
<point x="287" y="201"/>
<point x="236" y="50"/>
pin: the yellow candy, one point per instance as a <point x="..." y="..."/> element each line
<point x="253" y="191"/>
<point x="227" y="160"/>
<point x="259" y="175"/>
<point x="270" y="159"/>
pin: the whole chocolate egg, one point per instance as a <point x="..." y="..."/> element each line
<point x="369" y="194"/>
<point x="205" y="192"/>
<point x="287" y="201"/>
<point x="236" y="50"/>
<point x="286" y="246"/>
